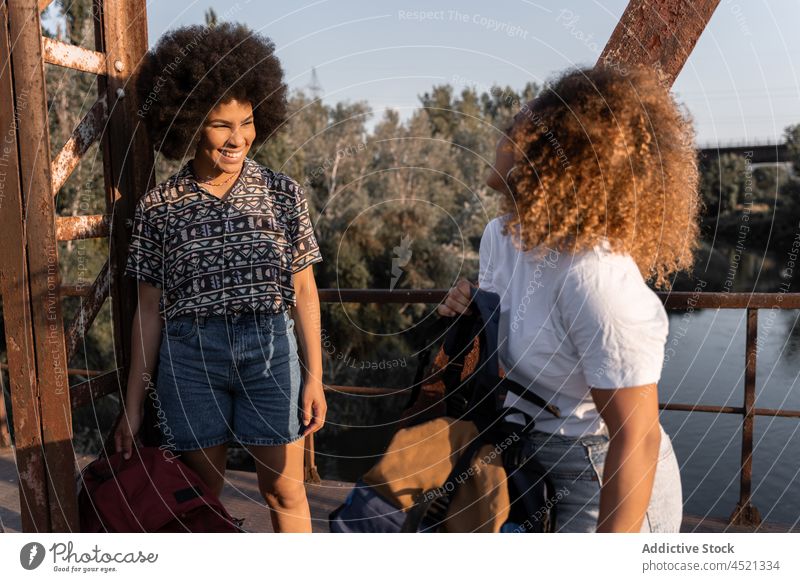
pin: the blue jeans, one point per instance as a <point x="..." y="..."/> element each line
<point x="228" y="377"/>
<point x="575" y="467"/>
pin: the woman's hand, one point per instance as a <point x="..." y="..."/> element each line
<point x="457" y="300"/>
<point x="127" y="429"/>
<point x="314" y="405"/>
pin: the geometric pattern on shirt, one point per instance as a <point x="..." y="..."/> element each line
<point x="215" y="256"/>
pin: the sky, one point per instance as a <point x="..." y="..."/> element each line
<point x="741" y="83"/>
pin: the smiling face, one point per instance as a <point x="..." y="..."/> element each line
<point x="225" y="139"/>
<point x="503" y="162"/>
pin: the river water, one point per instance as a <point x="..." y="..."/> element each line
<point x="706" y="365"/>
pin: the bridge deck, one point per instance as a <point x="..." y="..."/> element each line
<point x="242" y="499"/>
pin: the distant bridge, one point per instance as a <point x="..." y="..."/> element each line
<point x="762" y="153"/>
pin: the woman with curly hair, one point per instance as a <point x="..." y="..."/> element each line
<point x="599" y="179"/>
<point x="222" y="250"/>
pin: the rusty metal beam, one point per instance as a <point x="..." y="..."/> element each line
<point x="121" y="33"/>
<point x="657" y="33"/>
<point x="81" y="227"/>
<point x="30" y="96"/>
<point x="86" y="392"/>
<point x="686" y="300"/>
<point x="87" y="373"/>
<point x="382" y="295"/>
<point x="71" y="56"/>
<point x="88" y="311"/>
<point x="34" y="509"/>
<point x="74" y="290"/>
<point x="73" y="371"/>
<point x="84" y="135"/>
<point x="745" y="512"/>
<point x="672" y="406"/>
<point x="774" y="412"/>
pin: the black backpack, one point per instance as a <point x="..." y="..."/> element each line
<point x="473" y="391"/>
<point x="478" y="395"/>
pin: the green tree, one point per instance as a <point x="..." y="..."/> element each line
<point x="792" y="137"/>
<point x="722" y="183"/>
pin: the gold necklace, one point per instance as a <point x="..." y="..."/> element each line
<point x="210" y="183"/>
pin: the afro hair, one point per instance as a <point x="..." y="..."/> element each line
<point x="192" y="69"/>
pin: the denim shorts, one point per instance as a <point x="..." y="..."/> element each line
<point x="575" y="467"/>
<point x="228" y="377"/>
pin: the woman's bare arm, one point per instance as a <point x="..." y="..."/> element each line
<point x="307" y="317"/>
<point x="145" y="344"/>
<point x="631" y="415"/>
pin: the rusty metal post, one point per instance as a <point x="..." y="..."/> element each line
<point x="309" y="461"/>
<point x="657" y="33"/>
<point x="55" y="422"/>
<point x="121" y="33"/>
<point x="35" y="515"/>
<point x="745" y="512"/>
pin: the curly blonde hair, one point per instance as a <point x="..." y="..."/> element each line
<point x="606" y="154"/>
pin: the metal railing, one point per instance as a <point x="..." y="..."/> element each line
<point x="745" y="513"/>
<point x="101" y="383"/>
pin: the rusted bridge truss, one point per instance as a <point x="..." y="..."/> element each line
<point x="660" y="33"/>
<point x="40" y="345"/>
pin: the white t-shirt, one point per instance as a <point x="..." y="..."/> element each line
<point x="569" y="322"/>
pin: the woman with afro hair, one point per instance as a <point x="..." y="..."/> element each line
<point x="222" y="250"/>
<point x="598" y="179"/>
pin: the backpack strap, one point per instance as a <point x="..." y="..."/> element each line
<point x="529" y="395"/>
<point x="487" y="304"/>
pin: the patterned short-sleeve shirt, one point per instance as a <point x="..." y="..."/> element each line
<point x="213" y="256"/>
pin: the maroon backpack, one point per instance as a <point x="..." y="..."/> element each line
<point x="153" y="491"/>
